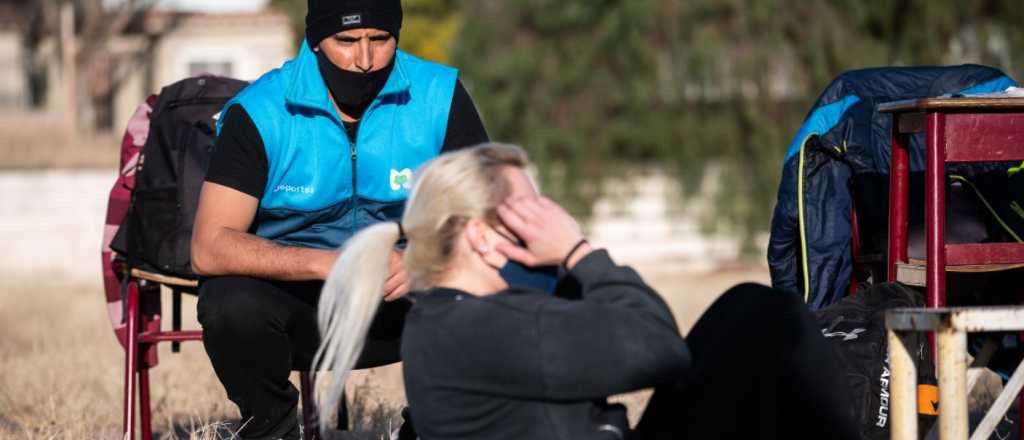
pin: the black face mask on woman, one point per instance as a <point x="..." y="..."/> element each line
<point x="352" y="91"/>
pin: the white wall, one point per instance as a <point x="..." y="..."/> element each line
<point x="13" y="83"/>
<point x="52" y="222"/>
<point x="252" y="45"/>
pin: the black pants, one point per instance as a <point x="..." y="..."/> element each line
<point x="761" y="369"/>
<point x="257" y="332"/>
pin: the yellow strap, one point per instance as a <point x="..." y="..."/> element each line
<point x="800" y="214"/>
<point x="987" y="206"/>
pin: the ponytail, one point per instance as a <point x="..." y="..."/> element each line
<point x="348" y="303"/>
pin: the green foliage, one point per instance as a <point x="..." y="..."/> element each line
<point x="589" y="85"/>
<point x="428" y="26"/>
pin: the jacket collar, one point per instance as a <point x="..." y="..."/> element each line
<point x="306" y="87"/>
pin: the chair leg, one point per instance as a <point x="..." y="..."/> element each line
<point x="175" y="318"/>
<point x="310" y="417"/>
<point x="145" y="414"/>
<point x="131" y="363"/>
<point x="1020" y="397"/>
<point x="343" y="413"/>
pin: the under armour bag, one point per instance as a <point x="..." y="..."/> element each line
<point x="156" y="233"/>
<point x="855" y="328"/>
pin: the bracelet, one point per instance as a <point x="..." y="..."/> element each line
<point x="576" y="247"/>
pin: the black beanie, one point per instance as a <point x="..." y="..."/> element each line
<point x="328" y="17"/>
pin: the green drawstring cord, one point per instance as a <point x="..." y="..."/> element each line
<point x="988" y="206"/>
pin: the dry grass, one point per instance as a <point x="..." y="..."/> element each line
<point x="62" y="374"/>
<point x="62" y="366"/>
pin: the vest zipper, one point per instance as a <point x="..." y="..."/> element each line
<point x="354" y="156"/>
<point x="355" y="197"/>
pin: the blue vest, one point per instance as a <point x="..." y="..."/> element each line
<point x="321" y="188"/>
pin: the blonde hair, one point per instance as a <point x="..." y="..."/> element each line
<point x="446" y="192"/>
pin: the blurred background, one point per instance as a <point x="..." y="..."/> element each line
<point x="662" y="123"/>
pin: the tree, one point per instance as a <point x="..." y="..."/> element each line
<point x="588" y="85"/>
<point x="84" y="29"/>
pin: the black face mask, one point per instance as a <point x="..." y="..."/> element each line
<point x="352" y="91"/>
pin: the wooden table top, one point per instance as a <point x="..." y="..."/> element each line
<point x="953" y="104"/>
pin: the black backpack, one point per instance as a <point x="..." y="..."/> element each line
<point x="156" y="234"/>
<point x="855" y="328"/>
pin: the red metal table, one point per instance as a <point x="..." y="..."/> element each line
<point x="956" y="130"/>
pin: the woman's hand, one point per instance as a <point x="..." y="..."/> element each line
<point x="548" y="231"/>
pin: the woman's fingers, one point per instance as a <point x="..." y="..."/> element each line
<point x="512" y="219"/>
<point x="529" y="208"/>
<point x="524" y="216"/>
<point x="517" y="253"/>
<point x="549" y="232"/>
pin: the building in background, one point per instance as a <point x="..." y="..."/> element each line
<point x="145" y="46"/>
<point x="13" y="79"/>
<point x="174" y="45"/>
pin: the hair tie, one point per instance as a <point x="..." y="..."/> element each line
<point x="401" y="231"/>
<point x="576" y="247"/>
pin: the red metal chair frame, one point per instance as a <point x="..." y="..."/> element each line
<point x="144" y="333"/>
<point x="960" y="130"/>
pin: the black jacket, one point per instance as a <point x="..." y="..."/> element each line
<point x="522" y="364"/>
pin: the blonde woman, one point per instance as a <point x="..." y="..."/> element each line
<point x="486" y="360"/>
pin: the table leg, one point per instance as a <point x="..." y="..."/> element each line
<point x="899" y="174"/>
<point x="952" y="383"/>
<point x="935" y="210"/>
<point x="903" y="386"/>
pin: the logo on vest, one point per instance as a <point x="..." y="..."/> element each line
<point x="349" y="20"/>
<point x="401" y="179"/>
<point x="299" y="189"/>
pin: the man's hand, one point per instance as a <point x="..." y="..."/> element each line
<point x="397" y="283"/>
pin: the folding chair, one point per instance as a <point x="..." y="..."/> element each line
<point x="143" y="332"/>
<point x="133" y="299"/>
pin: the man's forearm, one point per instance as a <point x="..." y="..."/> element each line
<point x="230" y="252"/>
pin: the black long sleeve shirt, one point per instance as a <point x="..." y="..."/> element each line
<point x="522" y="364"/>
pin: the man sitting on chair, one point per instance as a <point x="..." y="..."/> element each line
<point x="307" y="155"/>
